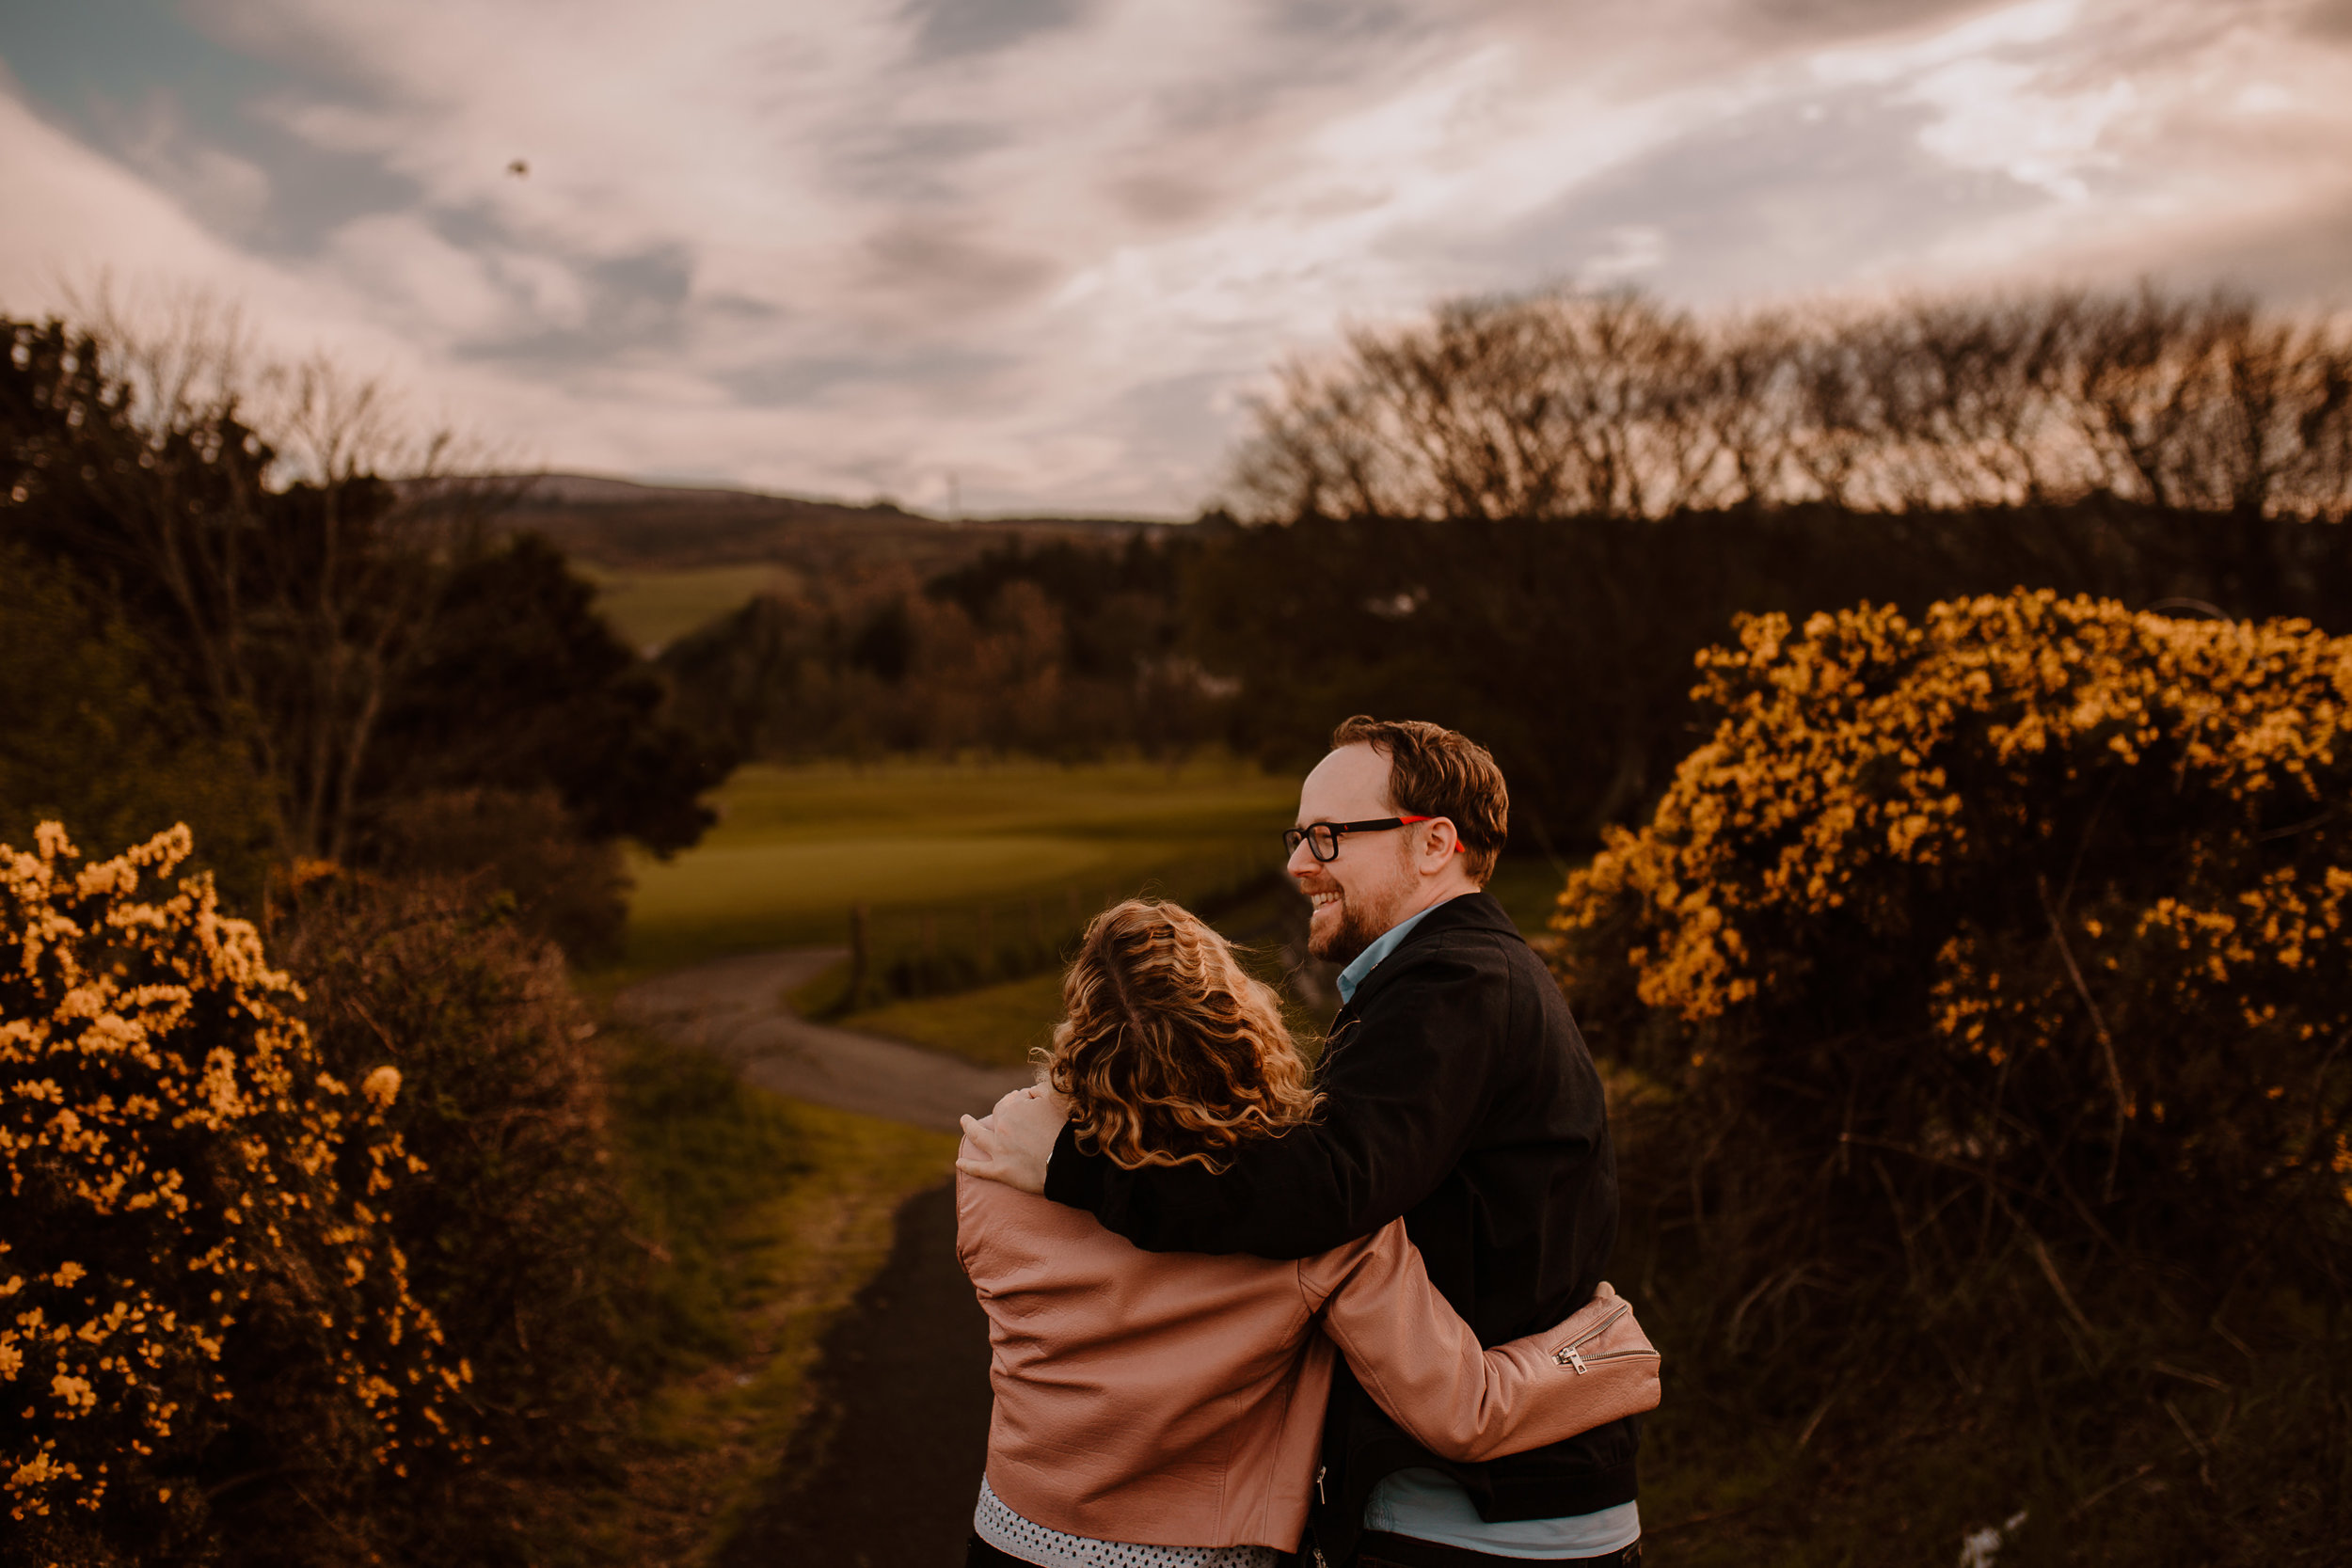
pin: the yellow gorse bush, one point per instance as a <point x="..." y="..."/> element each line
<point x="1835" y="760"/>
<point x="1966" y="880"/>
<point x="190" y="1197"/>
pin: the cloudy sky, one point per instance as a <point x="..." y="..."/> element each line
<point x="1044" y="249"/>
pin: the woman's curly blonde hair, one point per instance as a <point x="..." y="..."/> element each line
<point x="1171" y="1054"/>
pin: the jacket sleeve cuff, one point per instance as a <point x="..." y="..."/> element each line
<point x="1073" y="1177"/>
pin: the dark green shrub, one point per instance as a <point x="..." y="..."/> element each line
<point x="563" y="886"/>
<point x="85" y="737"/>
<point x="516" y="1236"/>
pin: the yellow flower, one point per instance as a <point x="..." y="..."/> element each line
<point x="382" y="1086"/>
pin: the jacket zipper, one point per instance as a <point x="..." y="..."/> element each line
<point x="1319" y="1473"/>
<point x="1570" y="1355"/>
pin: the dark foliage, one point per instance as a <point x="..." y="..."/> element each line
<point x="517" y="1237"/>
<point x="347" y="646"/>
<point x="1566" y="646"/>
<point x="1989" y="977"/>
<point x="520" y="685"/>
<point x="278" y="613"/>
<point x="1063" y="650"/>
<point x="520" y="853"/>
<point x="86" y="738"/>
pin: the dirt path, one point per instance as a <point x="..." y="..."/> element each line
<point x="884" y="1470"/>
<point x="736" y="1007"/>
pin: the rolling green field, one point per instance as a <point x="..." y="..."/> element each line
<point x="652" y="609"/>
<point x="930" y="847"/>
<point x="795" y="848"/>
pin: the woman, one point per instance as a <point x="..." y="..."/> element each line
<point x="1168" y="1408"/>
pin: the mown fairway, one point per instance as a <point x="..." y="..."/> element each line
<point x="795" y="848"/>
<point x="654" y="609"/>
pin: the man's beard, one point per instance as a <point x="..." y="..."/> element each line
<point x="1348" y="939"/>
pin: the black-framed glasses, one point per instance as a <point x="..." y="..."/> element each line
<point x="1323" y="838"/>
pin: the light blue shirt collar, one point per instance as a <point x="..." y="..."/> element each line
<point x="1384" y="945"/>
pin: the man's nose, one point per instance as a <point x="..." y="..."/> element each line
<point x="1302" y="861"/>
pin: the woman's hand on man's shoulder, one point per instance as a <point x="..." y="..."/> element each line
<point x="1013" y="1143"/>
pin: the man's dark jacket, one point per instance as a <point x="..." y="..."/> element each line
<point x="1459" y="1095"/>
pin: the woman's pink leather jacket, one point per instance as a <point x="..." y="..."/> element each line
<point x="1176" y="1398"/>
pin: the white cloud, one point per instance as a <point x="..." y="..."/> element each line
<point x="1634" y="251"/>
<point x="1991" y="116"/>
<point x="818" y="248"/>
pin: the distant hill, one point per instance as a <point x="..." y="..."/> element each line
<point x="621" y="526"/>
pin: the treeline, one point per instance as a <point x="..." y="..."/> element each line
<point x="1525" y="518"/>
<point x="1566" y="645"/>
<point x="1617" y="406"/>
<point x="1059" y="650"/>
<point x="239" y="594"/>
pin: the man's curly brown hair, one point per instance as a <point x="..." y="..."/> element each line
<point x="1434" y="771"/>
<point x="1169" y="1053"/>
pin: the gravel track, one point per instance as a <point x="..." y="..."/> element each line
<point x="736" y="1007"/>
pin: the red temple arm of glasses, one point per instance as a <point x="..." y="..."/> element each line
<point x="1459" y="847"/>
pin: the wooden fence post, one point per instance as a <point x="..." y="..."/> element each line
<point x="859" y="947"/>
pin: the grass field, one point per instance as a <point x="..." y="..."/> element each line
<point x="998" y="1025"/>
<point x="937" y="844"/>
<point x="652" y="609"/>
<point x="795" y="848"/>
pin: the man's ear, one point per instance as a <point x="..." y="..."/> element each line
<point x="1437" y="849"/>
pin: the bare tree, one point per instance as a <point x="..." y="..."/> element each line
<point x="1549" y="406"/>
<point x="1612" y="406"/>
<point x="1749" y="401"/>
<point x="284" y="523"/>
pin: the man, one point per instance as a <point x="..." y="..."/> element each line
<point x="1459" y="1095"/>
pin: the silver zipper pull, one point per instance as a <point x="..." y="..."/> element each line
<point x="1319" y="1470"/>
<point x="1569" y="1355"/>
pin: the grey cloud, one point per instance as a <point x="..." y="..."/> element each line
<point x="1328" y="21"/>
<point x="637" y="306"/>
<point x="2329" y="18"/>
<point x="950" y="28"/>
<point x="1814" y="20"/>
<point x="1158" y="196"/>
<point x="316" y="192"/>
<point x="1794" y="197"/>
<point x="939" y="265"/>
<point x="661" y="276"/>
<point x="1306" y="47"/>
<point x="937" y="374"/>
<point x="116" y="74"/>
<point x="742" y="308"/>
<point x="912" y="162"/>
<point x="1174" y="419"/>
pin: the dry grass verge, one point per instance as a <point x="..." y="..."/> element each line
<point x="774" y="1212"/>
